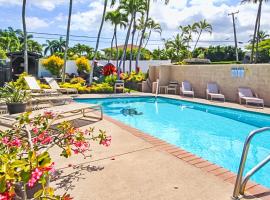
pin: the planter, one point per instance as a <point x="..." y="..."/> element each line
<point x="131" y="85"/>
<point x="14" y="108"/>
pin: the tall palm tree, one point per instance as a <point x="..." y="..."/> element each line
<point x="147" y="10"/>
<point x="55" y="46"/>
<point x="130" y="7"/>
<point x="67" y="42"/>
<point x="98" y="37"/>
<point x="187" y="32"/>
<point x="117" y="19"/>
<point x="153" y="27"/>
<point x="25" y="37"/>
<point x="177" y="46"/>
<point x="202" y="26"/>
<point x="256" y="29"/>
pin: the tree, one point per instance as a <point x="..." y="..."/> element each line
<point x="98" y="37"/>
<point x="25" y="37"/>
<point x="177" y="47"/>
<point x="153" y="27"/>
<point x="147" y="10"/>
<point x="67" y="42"/>
<point x="81" y="50"/>
<point x="256" y="29"/>
<point x="202" y="26"/>
<point x="34" y="46"/>
<point x="9" y="41"/>
<point x="187" y="32"/>
<point x="55" y="46"/>
<point x="117" y="19"/>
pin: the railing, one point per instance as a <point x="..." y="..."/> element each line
<point x="157" y="88"/>
<point x="240" y="183"/>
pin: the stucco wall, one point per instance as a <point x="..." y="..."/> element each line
<point x="256" y="77"/>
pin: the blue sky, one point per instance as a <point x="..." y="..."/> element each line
<point x="50" y="16"/>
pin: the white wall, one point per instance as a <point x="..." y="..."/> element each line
<point x="72" y="68"/>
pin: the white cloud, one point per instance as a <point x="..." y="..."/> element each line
<point x="34" y="23"/>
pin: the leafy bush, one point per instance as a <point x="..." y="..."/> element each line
<point x="13" y="94"/>
<point x="110" y="79"/>
<point x="83" y="65"/>
<point x="101" y="88"/>
<point x="21" y="83"/>
<point x="109" y="69"/>
<point x="77" y="80"/>
<point x="54" y="64"/>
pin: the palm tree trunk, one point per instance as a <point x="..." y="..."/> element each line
<point x="112" y="44"/>
<point x="25" y="37"/>
<point x="98" y="38"/>
<point x="117" y="54"/>
<point x="67" y="42"/>
<point x="142" y="34"/>
<point x="132" y="42"/>
<point x="150" y="32"/>
<point x="197" y="41"/>
<point x="137" y="39"/>
<point x="258" y="34"/>
<point x="255" y="33"/>
<point x="126" y="42"/>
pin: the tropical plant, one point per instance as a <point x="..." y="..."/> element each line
<point x="77" y="80"/>
<point x="187" y="31"/>
<point x="54" y="64"/>
<point x="34" y="46"/>
<point x="177" y="48"/>
<point x="54" y="46"/>
<point x="83" y="65"/>
<point x="256" y="29"/>
<point x="147" y="11"/>
<point x="117" y="19"/>
<point x="202" y="26"/>
<point x="11" y="93"/>
<point x="81" y="50"/>
<point x="25" y="159"/>
<point x="2" y="53"/>
<point x="153" y="27"/>
<point x="109" y="69"/>
<point x="9" y="42"/>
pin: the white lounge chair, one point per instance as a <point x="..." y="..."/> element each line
<point x="187" y="89"/>
<point x="173" y="85"/>
<point x="246" y="94"/>
<point x="35" y="88"/>
<point x="213" y="92"/>
<point x="63" y="112"/>
<point x="54" y="85"/>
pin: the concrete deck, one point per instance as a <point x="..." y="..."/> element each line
<point x="139" y="168"/>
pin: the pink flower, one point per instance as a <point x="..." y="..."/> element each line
<point x="49" y="114"/>
<point x="107" y="141"/>
<point x="35" y="130"/>
<point x="16" y="143"/>
<point x="35" y="176"/>
<point x="47" y="140"/>
<point x="5" y="140"/>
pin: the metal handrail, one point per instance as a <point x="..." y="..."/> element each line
<point x="157" y="88"/>
<point x="240" y="183"/>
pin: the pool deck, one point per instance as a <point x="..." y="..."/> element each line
<point x="141" y="167"/>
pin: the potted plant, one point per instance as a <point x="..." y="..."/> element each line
<point x="15" y="97"/>
<point x="25" y="162"/>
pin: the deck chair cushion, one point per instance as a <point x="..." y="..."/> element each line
<point x="186" y="86"/>
<point x="212" y="88"/>
<point x="245" y="92"/>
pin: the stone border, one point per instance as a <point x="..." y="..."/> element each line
<point x="252" y="188"/>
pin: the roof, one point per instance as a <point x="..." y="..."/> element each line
<point x="21" y="53"/>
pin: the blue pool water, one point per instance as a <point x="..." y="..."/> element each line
<point x="213" y="133"/>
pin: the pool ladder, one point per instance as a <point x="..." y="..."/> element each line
<point x="241" y="182"/>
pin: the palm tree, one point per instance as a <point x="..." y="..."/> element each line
<point x="147" y="10"/>
<point x="177" y="46"/>
<point x="187" y="32"/>
<point x="130" y="7"/>
<point x="81" y="50"/>
<point x="202" y="26"/>
<point x="34" y="46"/>
<point x="152" y="26"/>
<point x="9" y="41"/>
<point x="98" y="37"/>
<point x="25" y="37"/>
<point x="256" y="29"/>
<point x="67" y="41"/>
<point x="117" y="19"/>
<point x="55" y="46"/>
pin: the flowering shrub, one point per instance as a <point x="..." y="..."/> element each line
<point x="109" y="69"/>
<point x="54" y="64"/>
<point x="24" y="156"/>
<point x="110" y="79"/>
<point x="77" y="80"/>
<point x="83" y="65"/>
<point x="133" y="77"/>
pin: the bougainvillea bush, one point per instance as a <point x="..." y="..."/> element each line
<point x="109" y="69"/>
<point x="25" y="159"/>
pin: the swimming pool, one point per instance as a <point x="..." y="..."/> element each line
<point x="214" y="133"/>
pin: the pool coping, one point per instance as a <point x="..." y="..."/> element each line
<point x="253" y="189"/>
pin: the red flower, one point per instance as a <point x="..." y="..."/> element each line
<point x="109" y="69"/>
